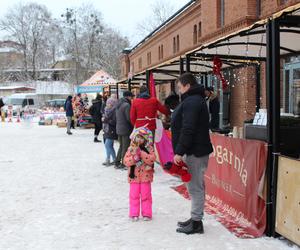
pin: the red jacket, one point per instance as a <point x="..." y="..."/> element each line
<point x="143" y="112"/>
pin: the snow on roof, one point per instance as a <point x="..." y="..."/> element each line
<point x="16" y="87"/>
<point x="43" y="87"/>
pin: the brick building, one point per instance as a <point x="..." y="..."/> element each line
<point x="201" y="22"/>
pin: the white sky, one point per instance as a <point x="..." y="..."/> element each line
<point x="120" y="14"/>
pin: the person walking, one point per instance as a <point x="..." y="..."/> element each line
<point x="109" y="129"/>
<point x="144" y="109"/>
<point x="124" y="127"/>
<point x="139" y="159"/>
<point x="69" y="113"/>
<point x="191" y="144"/>
<point x="213" y="108"/>
<point x="95" y="112"/>
<point x="1" y="105"/>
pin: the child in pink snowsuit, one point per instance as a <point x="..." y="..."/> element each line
<point x="139" y="159"/>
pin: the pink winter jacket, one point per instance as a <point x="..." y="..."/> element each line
<point x="141" y="172"/>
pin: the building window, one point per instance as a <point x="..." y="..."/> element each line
<point x="174" y="45"/>
<point x="177" y="44"/>
<point x="220" y="13"/>
<point x="195" y="34"/>
<point x="258" y="8"/>
<point x="132" y="67"/>
<point x="281" y="2"/>
<point x="149" y="58"/>
<point x="199" y="30"/>
<point x="159" y="55"/>
<point x="140" y="63"/>
<point x="160" y="52"/>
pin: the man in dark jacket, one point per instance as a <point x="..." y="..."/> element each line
<point x="1" y="105"/>
<point x="191" y="143"/>
<point x="124" y="127"/>
<point x="95" y="112"/>
<point x="69" y="113"/>
<point x="213" y="107"/>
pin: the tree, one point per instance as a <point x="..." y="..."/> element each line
<point x="28" y="24"/>
<point x="160" y="11"/>
<point x="111" y="44"/>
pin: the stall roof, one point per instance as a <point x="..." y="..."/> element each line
<point x="250" y="43"/>
<point x="100" y="78"/>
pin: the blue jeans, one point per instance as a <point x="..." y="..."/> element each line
<point x="110" y="151"/>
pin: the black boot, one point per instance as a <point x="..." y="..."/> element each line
<point x="192" y="228"/>
<point x="96" y="140"/>
<point x="184" y="223"/>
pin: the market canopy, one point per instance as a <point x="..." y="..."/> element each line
<point x="96" y="83"/>
<point x="249" y="44"/>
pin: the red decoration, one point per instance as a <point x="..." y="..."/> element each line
<point x="217" y="66"/>
<point x="179" y="170"/>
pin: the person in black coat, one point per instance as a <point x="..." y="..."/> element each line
<point x="95" y="112"/>
<point x="213" y="108"/>
<point x="1" y="105"/>
<point x="191" y="144"/>
<point x="69" y="113"/>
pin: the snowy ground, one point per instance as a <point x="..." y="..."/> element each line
<point x="55" y="194"/>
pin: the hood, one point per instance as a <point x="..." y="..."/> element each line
<point x="123" y="100"/>
<point x="144" y="95"/>
<point x="96" y="101"/>
<point x="195" y="90"/>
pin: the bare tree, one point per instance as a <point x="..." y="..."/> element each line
<point x="160" y="11"/>
<point x="112" y="44"/>
<point x="27" y="24"/>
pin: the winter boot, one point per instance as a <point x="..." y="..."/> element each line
<point x="192" y="228"/>
<point x="184" y="223"/>
<point x="120" y="166"/>
<point x="96" y="140"/>
<point x="106" y="163"/>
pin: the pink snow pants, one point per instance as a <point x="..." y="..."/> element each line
<point x="140" y="193"/>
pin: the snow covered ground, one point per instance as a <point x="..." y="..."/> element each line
<point x="55" y="194"/>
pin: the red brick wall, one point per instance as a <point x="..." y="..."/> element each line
<point x="243" y="96"/>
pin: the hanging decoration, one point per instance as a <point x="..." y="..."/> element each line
<point x="217" y="66"/>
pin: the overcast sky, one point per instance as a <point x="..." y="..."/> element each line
<point x="123" y="15"/>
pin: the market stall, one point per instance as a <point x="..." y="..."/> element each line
<point x="95" y="84"/>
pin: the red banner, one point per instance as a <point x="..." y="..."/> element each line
<point x="152" y="85"/>
<point x="233" y="180"/>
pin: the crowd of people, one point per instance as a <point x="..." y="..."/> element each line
<point x="132" y="121"/>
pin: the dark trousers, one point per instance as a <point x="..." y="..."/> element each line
<point x="97" y="129"/>
<point x="124" y="144"/>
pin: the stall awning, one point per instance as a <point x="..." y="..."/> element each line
<point x="96" y="83"/>
<point x="249" y="44"/>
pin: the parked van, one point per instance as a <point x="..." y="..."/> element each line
<point x="20" y="103"/>
<point x="56" y="103"/>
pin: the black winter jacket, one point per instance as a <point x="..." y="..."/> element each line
<point x="95" y="112"/>
<point x="190" y="125"/>
<point x="124" y="126"/>
<point x="214" y="109"/>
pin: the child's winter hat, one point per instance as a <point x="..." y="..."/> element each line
<point x="145" y="133"/>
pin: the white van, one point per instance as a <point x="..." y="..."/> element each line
<point x="20" y="103"/>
